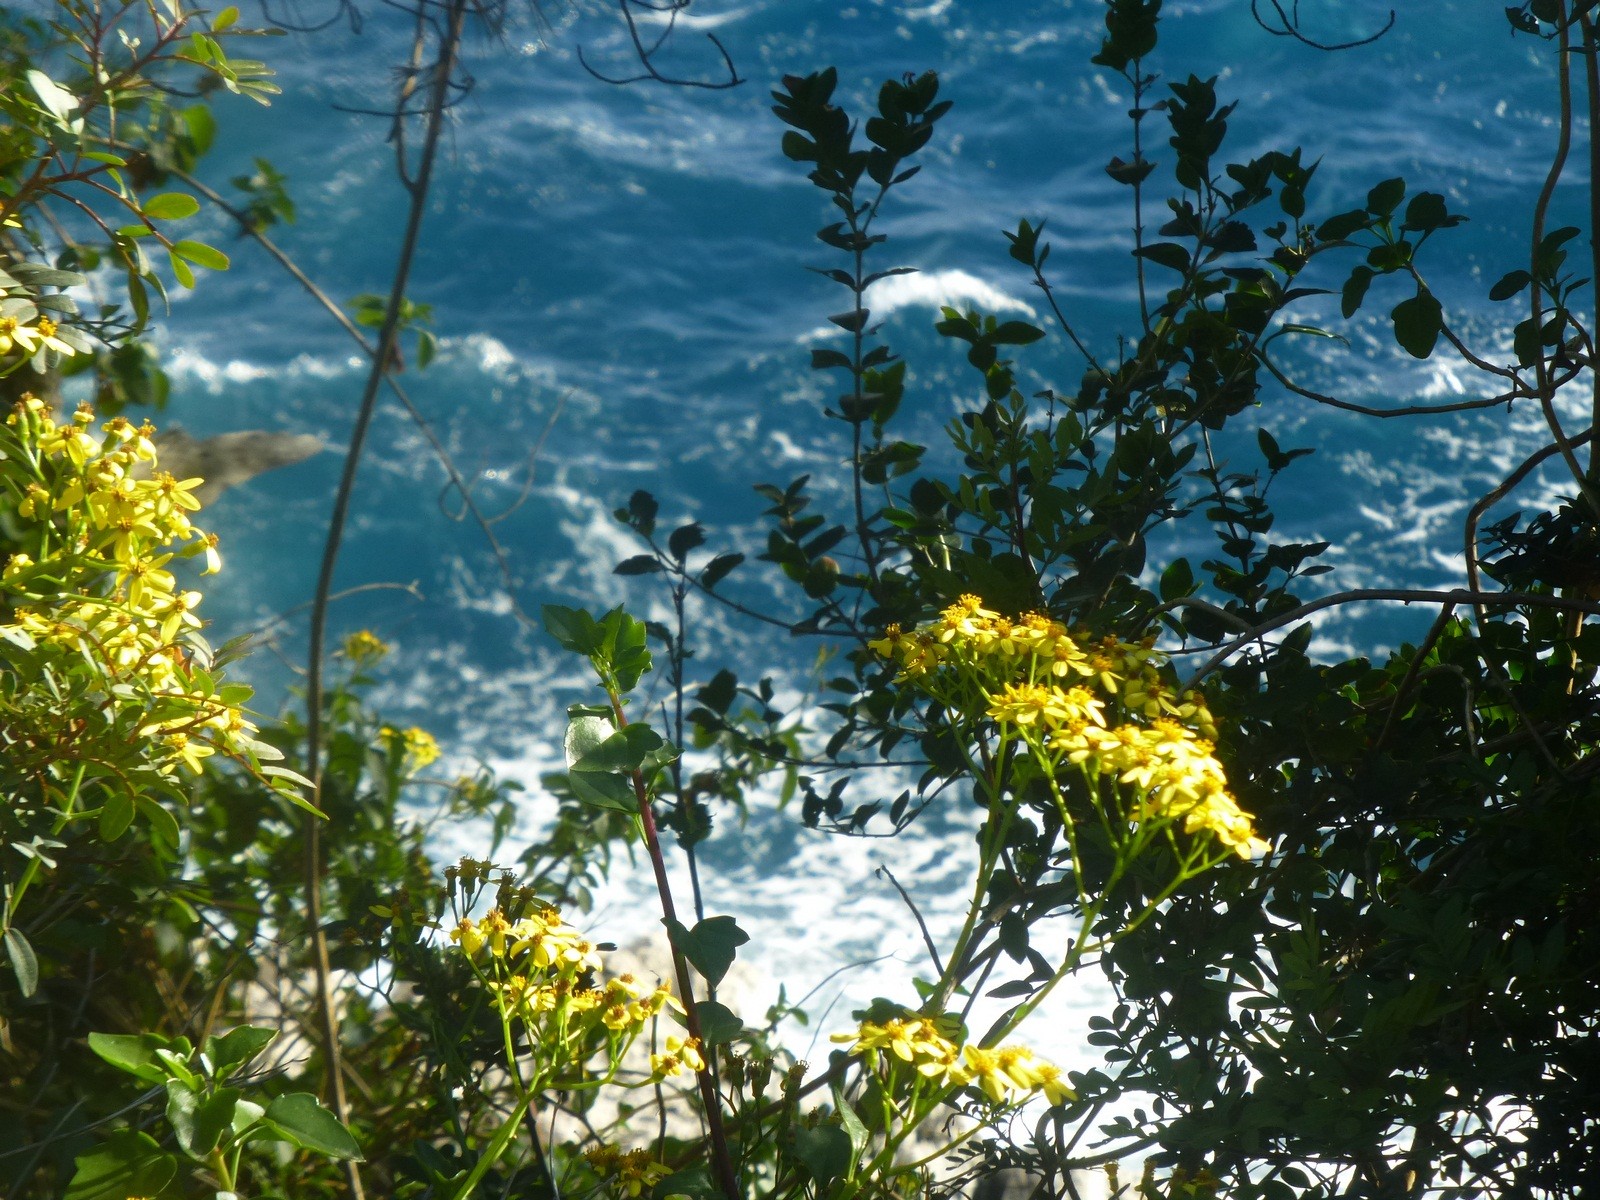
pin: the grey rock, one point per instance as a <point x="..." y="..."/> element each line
<point x="230" y="459"/>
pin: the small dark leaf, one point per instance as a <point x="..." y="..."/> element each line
<point x="825" y="1152"/>
<point x="1417" y="323"/>
<point x="684" y="539"/>
<point x="1427" y="212"/>
<point x="718" y="1023"/>
<point x="639" y="564"/>
<point x="710" y="946"/>
<point x="1128" y="173"/>
<point x="1167" y="254"/>
<point x="1342" y="225"/>
<point x="1355" y="290"/>
<point x="1510" y="284"/>
<point x="717" y="569"/>
<point x="1385" y="197"/>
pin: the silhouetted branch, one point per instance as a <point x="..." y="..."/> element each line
<point x="646" y="54"/>
<point x="1289" y="26"/>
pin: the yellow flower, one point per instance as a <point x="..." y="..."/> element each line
<point x="145" y="577"/>
<point x="965" y="618"/>
<point x="416" y="747"/>
<point x="364" y="646"/>
<point x="681" y="1059"/>
<point x="47" y="329"/>
<point x="637" y="1172"/>
<point x="631" y="1173"/>
<point x="468" y="936"/>
<point x="188" y="751"/>
<point x="72" y="441"/>
<point x="1051" y="1085"/>
<point x="984" y="1068"/>
<point x="175" y="495"/>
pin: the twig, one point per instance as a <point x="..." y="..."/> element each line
<point x="1404" y="595"/>
<point x="381" y="360"/>
<point x="646" y="54"/>
<point x="456" y="480"/>
<point x="927" y="938"/>
<point x="1291" y="28"/>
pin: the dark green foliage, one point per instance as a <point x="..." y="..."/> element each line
<point x="1358" y="1014"/>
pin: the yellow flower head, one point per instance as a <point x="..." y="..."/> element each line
<point x="415" y="747"/>
<point x="364" y="647"/>
<point x="681" y="1060"/>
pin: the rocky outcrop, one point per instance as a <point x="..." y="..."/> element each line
<point x="230" y="459"/>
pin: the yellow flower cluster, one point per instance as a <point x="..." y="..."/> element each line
<point x="87" y="594"/>
<point x="1005" y="1074"/>
<point x="363" y="646"/>
<point x="28" y="340"/>
<point x="415" y="747"/>
<point x="630" y="1173"/>
<point x="1102" y="706"/>
<point x="543" y="975"/>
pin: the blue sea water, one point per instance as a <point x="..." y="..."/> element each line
<point x="619" y="272"/>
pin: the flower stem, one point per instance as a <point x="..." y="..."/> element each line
<point x="722" y="1160"/>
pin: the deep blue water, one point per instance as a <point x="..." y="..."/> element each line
<point x="633" y="257"/>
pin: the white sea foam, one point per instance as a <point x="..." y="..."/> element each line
<point x="953" y="288"/>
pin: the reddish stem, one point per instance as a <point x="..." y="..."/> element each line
<point x="709" y="1093"/>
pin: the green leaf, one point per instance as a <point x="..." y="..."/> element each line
<point x="1427" y="212"/>
<point x="180" y="269"/>
<point x="684" y="539"/>
<point x="639" y="564"/>
<point x="134" y="1053"/>
<point x="57" y="101"/>
<point x="1167" y="254"/>
<point x="201" y="255"/>
<point x="199" y="1120"/>
<point x="116" y="814"/>
<point x="717" y="569"/>
<point x="623" y="647"/>
<point x="628" y="749"/>
<point x="1015" y="333"/>
<point x="224" y="19"/>
<point x="1177" y="580"/>
<point x="1385" y="197"/>
<point x="1340" y="226"/>
<point x="286" y="773"/>
<point x="584" y="734"/>
<point x="1417" y="323"/>
<point x="694" y="1182"/>
<point x="1509" y="285"/>
<point x="710" y="946"/>
<point x="237" y="1047"/>
<point x="825" y="1152"/>
<point x="427" y="349"/>
<point x="23" y="961"/>
<point x="170" y="206"/>
<point x="130" y="1163"/>
<point x="1355" y="290"/>
<point x="304" y="1121"/>
<point x="859" y="1136"/>
<point x="824" y="360"/>
<point x="719" y="1024"/>
<point x="202" y="127"/>
<point x="603" y="791"/>
<point x="573" y="628"/>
